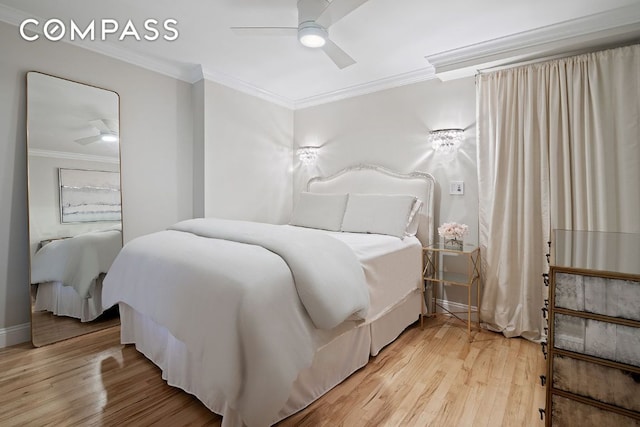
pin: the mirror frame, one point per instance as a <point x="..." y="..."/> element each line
<point x="74" y="327"/>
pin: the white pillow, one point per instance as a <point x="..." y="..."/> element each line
<point x="378" y="213"/>
<point x="324" y="211"/>
<point x="414" y="219"/>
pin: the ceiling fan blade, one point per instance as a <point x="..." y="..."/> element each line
<point x="101" y="125"/>
<point x="337" y="55"/>
<point x="337" y="10"/>
<point x="89" y="140"/>
<point x="112" y="125"/>
<point x="265" y="31"/>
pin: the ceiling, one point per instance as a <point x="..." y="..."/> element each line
<point x="394" y="42"/>
<point x="60" y="112"/>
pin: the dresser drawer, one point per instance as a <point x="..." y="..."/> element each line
<point x="600" y="295"/>
<point x="599" y="382"/>
<point x="568" y="412"/>
<point x="619" y="343"/>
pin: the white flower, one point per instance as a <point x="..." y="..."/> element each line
<point x="453" y="230"/>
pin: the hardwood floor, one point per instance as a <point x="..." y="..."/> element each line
<point x="430" y="377"/>
<point x="48" y="328"/>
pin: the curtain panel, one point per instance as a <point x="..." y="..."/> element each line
<point x="558" y="148"/>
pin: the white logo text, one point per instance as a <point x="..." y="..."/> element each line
<point x="55" y="29"/>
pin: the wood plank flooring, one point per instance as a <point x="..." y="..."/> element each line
<point x="48" y="328"/>
<point x="428" y="377"/>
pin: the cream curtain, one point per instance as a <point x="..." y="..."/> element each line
<point x="558" y="147"/>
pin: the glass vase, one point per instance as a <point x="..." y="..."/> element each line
<point x="454" y="244"/>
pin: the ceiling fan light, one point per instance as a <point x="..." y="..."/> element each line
<point x="312" y="36"/>
<point x="109" y="138"/>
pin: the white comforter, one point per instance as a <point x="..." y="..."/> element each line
<point x="238" y="305"/>
<point x="76" y="261"/>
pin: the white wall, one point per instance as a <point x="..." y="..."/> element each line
<point x="390" y="128"/>
<point x="247" y="156"/>
<point x="156" y="126"/>
<point x="198" y="96"/>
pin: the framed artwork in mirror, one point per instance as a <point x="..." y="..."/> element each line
<point x="74" y="196"/>
<point x="89" y="195"/>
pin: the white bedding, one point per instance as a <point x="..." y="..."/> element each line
<point x="327" y="275"/>
<point x="76" y="261"/>
<point x="391" y="266"/>
<point x="250" y="330"/>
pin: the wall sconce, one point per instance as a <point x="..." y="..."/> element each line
<point x="307" y="155"/>
<point x="446" y="140"/>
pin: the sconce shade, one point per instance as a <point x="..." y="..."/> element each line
<point x="446" y="140"/>
<point x="307" y="155"/>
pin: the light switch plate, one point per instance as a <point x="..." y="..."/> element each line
<point x="456" y="188"/>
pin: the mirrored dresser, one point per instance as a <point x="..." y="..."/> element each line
<point x="593" y="364"/>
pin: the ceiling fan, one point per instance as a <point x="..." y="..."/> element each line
<point x="107" y="132"/>
<point x="314" y="19"/>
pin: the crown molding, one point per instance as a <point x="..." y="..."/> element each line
<point x="71" y="156"/>
<point x="167" y="68"/>
<point x="565" y="36"/>
<point x="398" y="80"/>
<point x="349" y="92"/>
<point x="244" y="87"/>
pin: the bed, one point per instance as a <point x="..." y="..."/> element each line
<point x="235" y="314"/>
<point x="68" y="273"/>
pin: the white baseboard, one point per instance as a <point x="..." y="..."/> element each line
<point x="457" y="306"/>
<point x="15" y="335"/>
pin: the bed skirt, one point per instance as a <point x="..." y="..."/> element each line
<point x="63" y="300"/>
<point x="343" y="353"/>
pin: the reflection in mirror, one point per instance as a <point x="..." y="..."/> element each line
<point x="75" y="228"/>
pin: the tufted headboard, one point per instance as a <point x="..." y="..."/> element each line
<point x="372" y="179"/>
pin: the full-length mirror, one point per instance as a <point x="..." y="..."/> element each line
<point x="75" y="228"/>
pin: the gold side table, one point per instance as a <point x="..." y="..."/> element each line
<point x="435" y="277"/>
